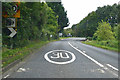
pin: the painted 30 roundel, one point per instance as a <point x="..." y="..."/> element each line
<point x="60" y="57"/>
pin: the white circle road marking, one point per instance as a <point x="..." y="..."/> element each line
<point x="66" y="62"/>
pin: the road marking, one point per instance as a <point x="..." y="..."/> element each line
<point x="21" y="70"/>
<point x="7" y="76"/>
<point x="84" y="51"/>
<point x="95" y="60"/>
<point x="58" y="56"/>
<point x="111" y="71"/>
<point x="86" y="55"/>
<point x="100" y="70"/>
<point x="65" y="54"/>
<point x="112" y="67"/>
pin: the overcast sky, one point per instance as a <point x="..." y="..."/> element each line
<point x="78" y="9"/>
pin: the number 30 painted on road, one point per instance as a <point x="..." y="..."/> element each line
<point x="59" y="55"/>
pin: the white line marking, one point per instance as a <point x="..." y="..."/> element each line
<point x="21" y="70"/>
<point x="65" y="54"/>
<point x="111" y="71"/>
<point x="7" y="76"/>
<point x="55" y="62"/>
<point x="112" y="67"/>
<point x="102" y="71"/>
<point x="84" y="51"/>
<point x="57" y="55"/>
<point x="86" y="55"/>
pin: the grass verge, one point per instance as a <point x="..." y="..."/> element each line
<point x="97" y="44"/>
<point x="11" y="55"/>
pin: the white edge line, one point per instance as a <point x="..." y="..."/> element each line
<point x="86" y="55"/>
<point x="7" y="76"/>
<point x="112" y="67"/>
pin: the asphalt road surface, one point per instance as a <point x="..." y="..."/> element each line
<point x="68" y="58"/>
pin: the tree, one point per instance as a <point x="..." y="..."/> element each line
<point x="104" y="31"/>
<point x="67" y="32"/>
<point x="117" y="31"/>
<point x="88" y="26"/>
<point x="61" y="13"/>
<point x="51" y="25"/>
<point x="36" y="19"/>
<point x="118" y="7"/>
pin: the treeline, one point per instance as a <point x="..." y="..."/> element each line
<point x="38" y="21"/>
<point x="88" y="26"/>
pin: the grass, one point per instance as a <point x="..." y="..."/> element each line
<point x="10" y="55"/>
<point x="102" y="44"/>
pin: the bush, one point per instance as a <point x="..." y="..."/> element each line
<point x="109" y="43"/>
<point x="89" y="38"/>
<point x="113" y="43"/>
<point x="104" y="32"/>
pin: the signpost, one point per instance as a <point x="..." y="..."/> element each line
<point x="13" y="32"/>
<point x="11" y="21"/>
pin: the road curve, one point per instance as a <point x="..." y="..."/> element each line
<point x="88" y="62"/>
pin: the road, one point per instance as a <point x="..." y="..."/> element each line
<point x="68" y="58"/>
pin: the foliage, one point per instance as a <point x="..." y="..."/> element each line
<point x="88" y="26"/>
<point x="9" y="55"/>
<point x="68" y="31"/>
<point x="8" y="9"/>
<point x="37" y="21"/>
<point x="108" y="44"/>
<point x="61" y="13"/>
<point x="117" y="32"/>
<point x="104" y="32"/>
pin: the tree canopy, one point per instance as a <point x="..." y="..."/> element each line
<point x="104" y="32"/>
<point x="88" y="26"/>
<point x="37" y="21"/>
<point x="60" y="11"/>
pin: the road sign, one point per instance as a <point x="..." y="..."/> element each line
<point x="59" y="57"/>
<point x="11" y="22"/>
<point x="17" y="10"/>
<point x="13" y="32"/>
<point x="14" y="8"/>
